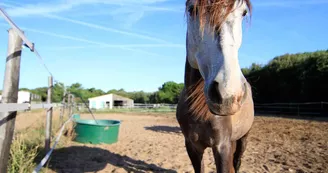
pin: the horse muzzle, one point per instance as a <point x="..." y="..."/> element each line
<point x="224" y="106"/>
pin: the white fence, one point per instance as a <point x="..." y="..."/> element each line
<point x="308" y="109"/>
<point x="81" y="106"/>
<point x="155" y="105"/>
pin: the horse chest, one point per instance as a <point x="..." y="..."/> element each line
<point x="202" y="135"/>
<point x="241" y="124"/>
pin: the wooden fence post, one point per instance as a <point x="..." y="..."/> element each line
<point x="72" y="105"/>
<point x="69" y="100"/>
<point x="10" y="95"/>
<point x="62" y="111"/>
<point x="49" y="115"/>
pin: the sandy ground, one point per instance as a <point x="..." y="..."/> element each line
<point x="149" y="143"/>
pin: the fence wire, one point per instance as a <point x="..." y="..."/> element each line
<point x="28" y="43"/>
<point x="16" y="107"/>
<point x="47" y="156"/>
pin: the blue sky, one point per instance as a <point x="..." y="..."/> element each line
<point x="140" y="44"/>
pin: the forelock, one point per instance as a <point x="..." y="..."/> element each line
<point x="212" y="11"/>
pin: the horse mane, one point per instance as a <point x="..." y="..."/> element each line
<point x="218" y="10"/>
<point x="197" y="101"/>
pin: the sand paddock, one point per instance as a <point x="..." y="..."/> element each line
<point x="154" y="143"/>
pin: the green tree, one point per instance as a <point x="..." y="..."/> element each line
<point x="298" y="77"/>
<point x="120" y="92"/>
<point x="140" y="97"/>
<point x="169" y="92"/>
<point x="58" y="92"/>
<point x="154" y="98"/>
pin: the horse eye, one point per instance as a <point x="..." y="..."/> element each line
<point x="191" y="9"/>
<point x="244" y="13"/>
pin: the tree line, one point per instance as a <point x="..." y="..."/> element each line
<point x="167" y="93"/>
<point x="290" y="78"/>
<point x="301" y="77"/>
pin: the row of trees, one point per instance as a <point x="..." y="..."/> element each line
<point x="301" y="77"/>
<point x="167" y="93"/>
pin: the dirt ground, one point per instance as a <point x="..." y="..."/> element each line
<point x="154" y="143"/>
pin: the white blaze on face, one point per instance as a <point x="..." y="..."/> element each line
<point x="217" y="57"/>
<point x="230" y="78"/>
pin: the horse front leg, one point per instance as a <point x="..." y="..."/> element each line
<point x="224" y="149"/>
<point x="223" y="155"/>
<point x="196" y="157"/>
<point x="240" y="149"/>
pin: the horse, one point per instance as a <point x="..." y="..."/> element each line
<point x="215" y="108"/>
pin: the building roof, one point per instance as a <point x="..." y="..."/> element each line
<point x="114" y="96"/>
<point x="98" y="97"/>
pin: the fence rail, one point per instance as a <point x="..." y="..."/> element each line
<point x="155" y="105"/>
<point x="309" y="108"/>
<point x="9" y="106"/>
<point x="298" y="109"/>
<point x="81" y="106"/>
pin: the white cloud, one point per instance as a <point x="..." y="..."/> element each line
<point x="131" y="16"/>
<point x="117" y="46"/>
<point x="99" y="27"/>
<point x="5" y="5"/>
<point x="132" y="6"/>
<point x="127" y="12"/>
<point x="97" y="44"/>
<point x="66" y="5"/>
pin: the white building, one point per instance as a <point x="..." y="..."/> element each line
<point x="109" y="101"/>
<point x="26" y="97"/>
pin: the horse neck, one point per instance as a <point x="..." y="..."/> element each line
<point x="195" y="98"/>
<point x="192" y="76"/>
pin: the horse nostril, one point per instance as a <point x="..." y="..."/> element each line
<point x="213" y="93"/>
<point x="239" y="98"/>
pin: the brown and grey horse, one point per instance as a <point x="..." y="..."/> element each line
<point x="215" y="108"/>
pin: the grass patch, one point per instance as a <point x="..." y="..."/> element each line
<point x="27" y="148"/>
<point x="22" y="155"/>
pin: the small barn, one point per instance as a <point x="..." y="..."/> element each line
<point x="26" y="97"/>
<point x="110" y="101"/>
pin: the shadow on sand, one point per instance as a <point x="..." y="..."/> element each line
<point x="89" y="159"/>
<point x="164" y="129"/>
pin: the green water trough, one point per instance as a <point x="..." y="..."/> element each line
<point x="92" y="132"/>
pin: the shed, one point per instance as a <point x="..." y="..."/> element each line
<point x="26" y="97"/>
<point x="110" y="101"/>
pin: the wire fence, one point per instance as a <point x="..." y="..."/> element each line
<point x="136" y="107"/>
<point x="298" y="109"/>
<point x="9" y="106"/>
<point x="47" y="156"/>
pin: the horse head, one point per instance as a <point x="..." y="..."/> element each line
<point x="214" y="36"/>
